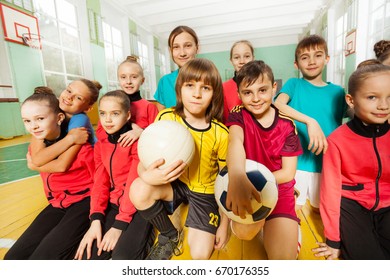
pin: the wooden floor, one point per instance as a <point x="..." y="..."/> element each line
<point x="22" y="199"/>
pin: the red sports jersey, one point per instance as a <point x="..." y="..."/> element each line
<point x="267" y="145"/>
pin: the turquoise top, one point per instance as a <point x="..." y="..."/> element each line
<point x="165" y="93"/>
<point x="326" y="104"/>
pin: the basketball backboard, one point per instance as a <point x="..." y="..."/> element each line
<point x="16" y="23"/>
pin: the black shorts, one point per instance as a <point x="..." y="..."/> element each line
<point x="203" y="211"/>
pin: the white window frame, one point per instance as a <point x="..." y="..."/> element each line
<point x="380" y="7"/>
<point x="84" y="50"/>
<point x="117" y="20"/>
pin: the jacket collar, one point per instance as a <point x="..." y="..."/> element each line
<point x="62" y="135"/>
<point x="370" y="130"/>
<point x="135" y="96"/>
<point x="113" y="138"/>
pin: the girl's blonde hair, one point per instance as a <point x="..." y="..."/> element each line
<point x="132" y="59"/>
<point x="201" y="69"/>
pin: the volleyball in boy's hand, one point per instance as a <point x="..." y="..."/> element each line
<point x="263" y="180"/>
<point x="168" y="140"/>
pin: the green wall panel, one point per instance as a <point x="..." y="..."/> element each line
<point x="94" y="5"/>
<point x="350" y="62"/>
<point x="27" y="73"/>
<point x="27" y="69"/>
<point x="11" y="121"/>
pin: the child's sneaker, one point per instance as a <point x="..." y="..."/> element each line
<point x="166" y="247"/>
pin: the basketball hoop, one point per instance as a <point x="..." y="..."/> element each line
<point x="32" y="40"/>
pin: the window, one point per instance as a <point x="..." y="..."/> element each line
<point x="61" y="47"/>
<point x="25" y="4"/>
<point x="113" y="48"/>
<point x="142" y="51"/>
<point x="379" y="23"/>
<point x="346" y="17"/>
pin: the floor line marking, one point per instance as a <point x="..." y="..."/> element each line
<point x="13" y="145"/>
<point x="10" y="182"/>
<point x="6" y="242"/>
<point x="11" y="160"/>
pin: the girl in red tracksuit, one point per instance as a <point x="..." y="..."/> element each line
<point x="117" y="231"/>
<point x="58" y="229"/>
<point x="355" y="186"/>
<point x="143" y="112"/>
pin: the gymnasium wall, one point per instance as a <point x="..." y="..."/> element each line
<point x="27" y="71"/>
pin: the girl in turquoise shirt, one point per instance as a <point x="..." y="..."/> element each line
<point x="183" y="44"/>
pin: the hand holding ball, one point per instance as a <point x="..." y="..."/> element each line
<point x="263" y="180"/>
<point x="168" y="140"/>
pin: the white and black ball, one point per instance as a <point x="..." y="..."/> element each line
<point x="263" y="180"/>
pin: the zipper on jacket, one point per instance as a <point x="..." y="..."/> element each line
<point x="111" y="173"/>
<point x="379" y="170"/>
<point x="49" y="195"/>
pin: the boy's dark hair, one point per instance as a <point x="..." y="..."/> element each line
<point x="122" y="97"/>
<point x="363" y="72"/>
<point x="251" y="72"/>
<point x="310" y="42"/>
<point x="201" y="69"/>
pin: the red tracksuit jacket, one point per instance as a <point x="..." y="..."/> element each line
<point x="355" y="166"/>
<point x="65" y="188"/>
<point x="116" y="169"/>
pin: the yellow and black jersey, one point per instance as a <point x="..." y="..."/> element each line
<point x="210" y="153"/>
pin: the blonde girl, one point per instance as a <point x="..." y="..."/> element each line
<point x="240" y="54"/>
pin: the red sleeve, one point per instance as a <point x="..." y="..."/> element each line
<point x="126" y="207"/>
<point x="235" y="118"/>
<point x="292" y="146"/>
<point x="100" y="193"/>
<point x="330" y="193"/>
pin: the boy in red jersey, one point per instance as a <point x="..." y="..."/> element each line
<point x="257" y="131"/>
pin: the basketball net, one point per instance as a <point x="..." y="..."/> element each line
<point x="32" y="40"/>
